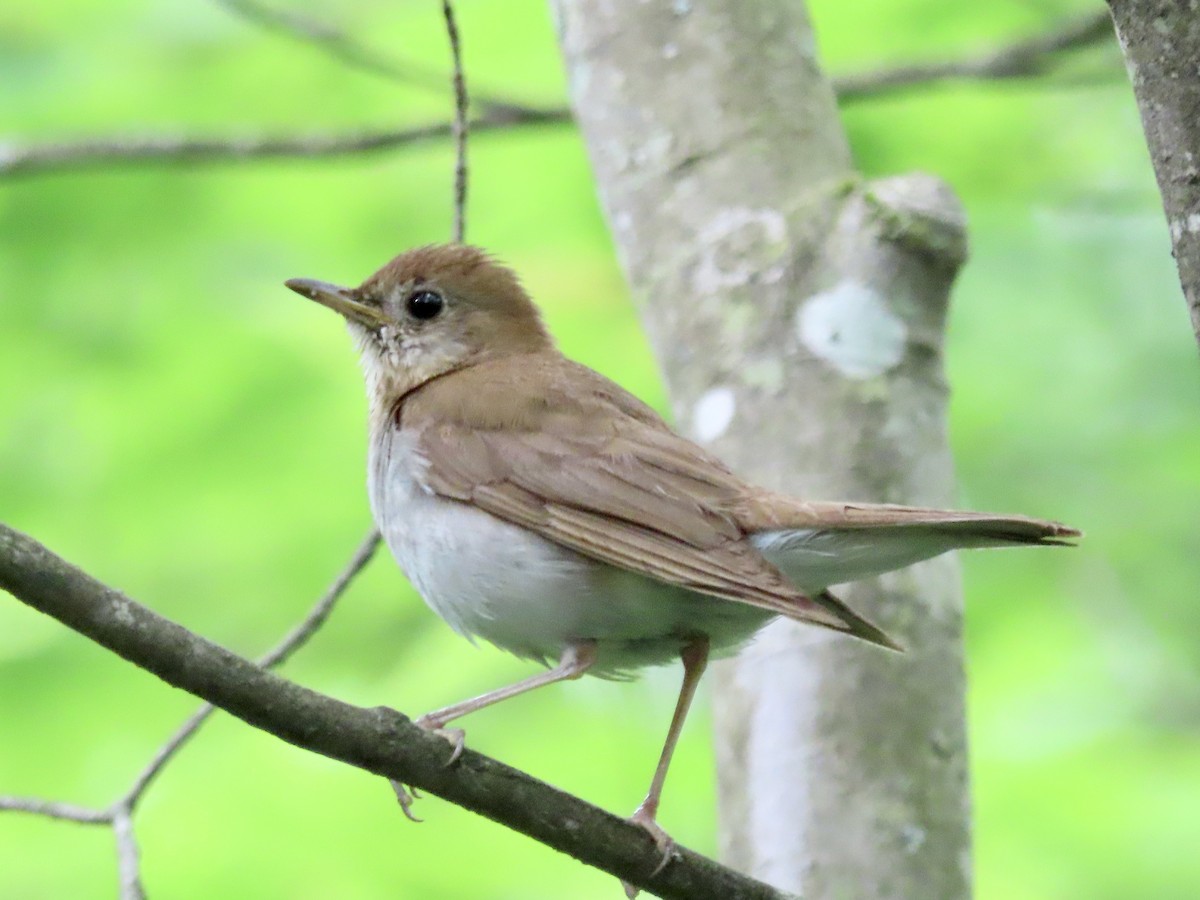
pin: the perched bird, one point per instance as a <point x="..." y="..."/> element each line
<point x="534" y="503"/>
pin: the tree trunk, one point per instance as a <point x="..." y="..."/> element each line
<point x="797" y="313"/>
<point x="1161" y="43"/>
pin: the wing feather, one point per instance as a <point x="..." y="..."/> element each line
<point x="562" y="451"/>
<point x="619" y="488"/>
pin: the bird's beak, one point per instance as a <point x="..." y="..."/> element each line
<point x="340" y="300"/>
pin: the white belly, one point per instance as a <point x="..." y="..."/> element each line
<point x="528" y="595"/>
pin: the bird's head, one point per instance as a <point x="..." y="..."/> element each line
<point x="431" y="311"/>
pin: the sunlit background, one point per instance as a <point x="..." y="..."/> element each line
<point x="177" y="423"/>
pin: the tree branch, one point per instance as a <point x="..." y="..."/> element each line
<point x="380" y="740"/>
<point x="460" y="126"/>
<point x="65" y="811"/>
<point x="128" y="857"/>
<point x="1023" y="59"/>
<point x="346" y="50"/>
<point x="333" y="42"/>
<point x="295" y="639"/>
<point x="119" y="815"/>
<point x="1161" y="43"/>
<point x="166" y="150"/>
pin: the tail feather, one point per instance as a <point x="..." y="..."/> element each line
<point x="1009" y="530"/>
<point x="766" y="511"/>
<point x="816" y="544"/>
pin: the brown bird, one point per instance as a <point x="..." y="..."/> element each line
<point x="534" y="503"/>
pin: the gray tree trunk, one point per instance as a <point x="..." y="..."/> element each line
<point x="1161" y="43"/>
<point x="797" y="313"/>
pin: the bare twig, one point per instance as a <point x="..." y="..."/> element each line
<point x="333" y="41"/>
<point x="461" y="104"/>
<point x="285" y="648"/>
<point x="128" y="858"/>
<point x="380" y="740"/>
<point x="63" y="156"/>
<point x="164" y="754"/>
<point x="348" y="51"/>
<point x="1020" y="60"/>
<point x="316" y="617"/>
<point x="67" y="811"/>
<point x="1023" y="59"/>
<point x="120" y="814"/>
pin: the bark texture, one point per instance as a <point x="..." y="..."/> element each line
<point x="1161" y="43"/>
<point x="797" y="313"/>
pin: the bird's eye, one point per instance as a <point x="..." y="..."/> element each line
<point x="424" y="304"/>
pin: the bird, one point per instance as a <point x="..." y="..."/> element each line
<point x="534" y="503"/>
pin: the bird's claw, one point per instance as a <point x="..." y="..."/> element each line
<point x="456" y="736"/>
<point x="405" y="796"/>
<point x="662" y="840"/>
<point x="665" y="843"/>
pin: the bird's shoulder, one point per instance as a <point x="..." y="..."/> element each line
<point x="522" y="393"/>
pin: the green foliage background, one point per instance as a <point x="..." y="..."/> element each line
<point x="181" y="426"/>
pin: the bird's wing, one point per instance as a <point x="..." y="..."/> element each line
<point x="597" y="471"/>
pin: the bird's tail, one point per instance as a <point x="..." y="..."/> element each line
<point x="773" y="512"/>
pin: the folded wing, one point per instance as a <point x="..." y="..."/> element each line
<point x="600" y="473"/>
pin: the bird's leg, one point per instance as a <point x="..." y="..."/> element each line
<point x="695" y="659"/>
<point x="576" y="659"/>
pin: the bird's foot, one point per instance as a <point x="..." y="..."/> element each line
<point x="456" y="736"/>
<point x="406" y="796"/>
<point x="644" y="818"/>
<point x="665" y="843"/>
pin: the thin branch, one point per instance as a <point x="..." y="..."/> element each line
<point x="316" y="617"/>
<point x="128" y="858"/>
<point x="120" y="814"/>
<point x="165" y="150"/>
<point x="290" y="644"/>
<point x="164" y="755"/>
<point x="378" y="740"/>
<point x="332" y="41"/>
<point x="346" y="50"/>
<point x="1023" y="59"/>
<point x="66" y="811"/>
<point x="460" y="128"/>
